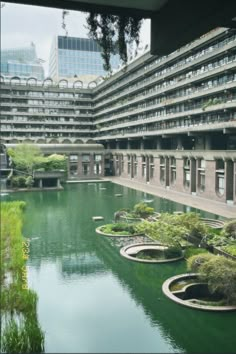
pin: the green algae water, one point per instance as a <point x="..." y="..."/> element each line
<point x="92" y="300"/>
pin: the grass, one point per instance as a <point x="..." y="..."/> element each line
<point x="20" y="332"/>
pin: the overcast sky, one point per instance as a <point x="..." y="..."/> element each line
<point x="23" y="24"/>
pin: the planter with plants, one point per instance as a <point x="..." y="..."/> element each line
<point x="118" y="229"/>
<point x="210" y="286"/>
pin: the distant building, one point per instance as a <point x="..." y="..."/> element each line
<point x="73" y="57"/>
<point x="22" y="62"/>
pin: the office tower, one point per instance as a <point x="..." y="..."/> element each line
<point x="72" y="57"/>
<point x="21" y="62"/>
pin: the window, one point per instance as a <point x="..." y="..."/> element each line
<point x="85" y="158"/>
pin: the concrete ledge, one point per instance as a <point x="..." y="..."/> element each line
<point x="98" y="231"/>
<point x="137" y="247"/>
<point x="170" y="294"/>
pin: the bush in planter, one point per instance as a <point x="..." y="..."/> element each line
<point x="229" y="229"/>
<point x="142" y="210"/>
<point x="195" y="262"/>
<point x="220" y="275"/>
<point x="231" y="249"/>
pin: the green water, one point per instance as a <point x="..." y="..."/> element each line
<point x="91" y="300"/>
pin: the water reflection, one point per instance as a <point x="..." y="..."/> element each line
<point x="93" y="300"/>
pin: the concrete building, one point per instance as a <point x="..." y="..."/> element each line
<point x="21" y="62"/>
<point x="167" y="121"/>
<point x="74" y="57"/>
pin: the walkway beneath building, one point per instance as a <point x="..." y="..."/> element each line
<point x="227" y="211"/>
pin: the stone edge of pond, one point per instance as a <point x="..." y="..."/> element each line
<point x="171" y="296"/>
<point x="98" y="231"/>
<point x="124" y="254"/>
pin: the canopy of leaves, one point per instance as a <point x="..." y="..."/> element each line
<point x="113" y="33"/>
<point x="24" y="156"/>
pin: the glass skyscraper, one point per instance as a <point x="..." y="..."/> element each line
<point x="71" y="57"/>
<point x="22" y="62"/>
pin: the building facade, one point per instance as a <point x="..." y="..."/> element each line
<point x="74" y="57"/>
<point x="166" y="121"/>
<point x="21" y="62"/>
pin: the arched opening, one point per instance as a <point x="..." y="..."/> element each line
<point x="47" y="82"/>
<point x="63" y="83"/>
<point x="31" y="81"/>
<point x="78" y="84"/>
<point x="92" y="84"/>
<point x="15" y="80"/>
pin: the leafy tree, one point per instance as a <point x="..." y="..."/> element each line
<point x="24" y="156"/>
<point x="229" y="229"/>
<point x="113" y="33"/>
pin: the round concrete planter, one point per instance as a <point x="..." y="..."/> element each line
<point x="214" y="224"/>
<point x="98" y="231"/>
<point x="134" y="248"/>
<point x="154" y="217"/>
<point x="173" y="294"/>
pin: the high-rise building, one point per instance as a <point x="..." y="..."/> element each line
<point x="21" y="62"/>
<point x="169" y="122"/>
<point x="72" y="57"/>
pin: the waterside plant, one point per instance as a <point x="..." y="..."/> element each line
<point x="20" y="330"/>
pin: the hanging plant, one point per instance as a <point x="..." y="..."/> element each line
<point x="113" y="33"/>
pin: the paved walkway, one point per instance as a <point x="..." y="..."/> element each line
<point x="227" y="211"/>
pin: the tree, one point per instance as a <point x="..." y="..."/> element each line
<point x="24" y="156"/>
<point x="113" y="33"/>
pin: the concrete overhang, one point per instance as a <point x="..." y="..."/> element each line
<point x="173" y="23"/>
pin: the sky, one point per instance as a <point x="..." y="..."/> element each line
<point x="23" y="24"/>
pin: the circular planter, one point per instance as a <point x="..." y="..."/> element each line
<point x="153" y="217"/>
<point x="98" y="231"/>
<point x="214" y="224"/>
<point x="175" y="295"/>
<point x="134" y="248"/>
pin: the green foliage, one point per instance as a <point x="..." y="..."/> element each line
<point x="194" y="263"/>
<point x="231" y="249"/>
<point x="163" y="232"/>
<point x="118" y="229"/>
<point x="193" y="251"/>
<point x="17" y="301"/>
<point x="142" y="210"/>
<point x="29" y="181"/>
<point x="29" y="157"/>
<point x="113" y="33"/>
<point x="18" y="182"/>
<point x="220" y="275"/>
<point x="229" y="229"/>
<point x="26" y="337"/>
<point x="24" y="156"/>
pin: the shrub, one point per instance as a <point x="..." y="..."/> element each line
<point x="229" y="229"/>
<point x="193" y="251"/>
<point x="142" y="210"/>
<point x="29" y="181"/>
<point x="18" y="182"/>
<point x="195" y="262"/>
<point x="231" y="249"/>
<point x="220" y="274"/>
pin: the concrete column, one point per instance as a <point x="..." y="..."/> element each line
<point x="193" y="176"/>
<point x="128" y="145"/>
<point x="167" y="171"/>
<point x="117" y="145"/>
<point x="229" y="178"/>
<point x="58" y="183"/>
<point x="208" y="143"/>
<point x="142" y="145"/>
<point x="40" y="183"/>
<point x="158" y="143"/>
<point x="179" y="143"/>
